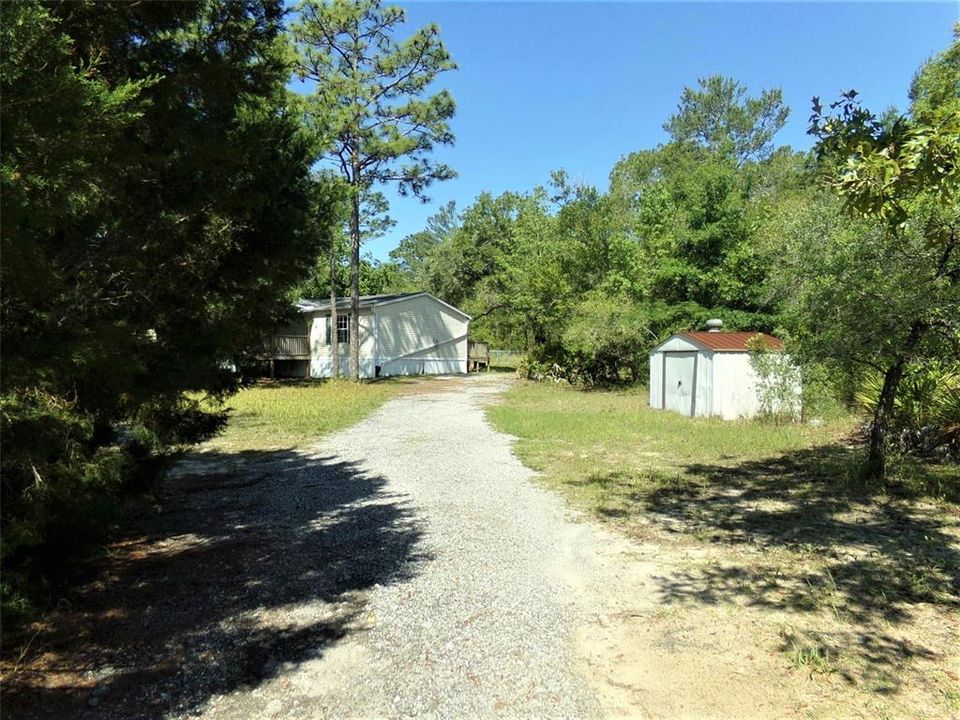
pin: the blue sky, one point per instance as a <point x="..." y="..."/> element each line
<point x="575" y="85"/>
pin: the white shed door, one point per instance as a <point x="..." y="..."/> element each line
<point x="678" y="379"/>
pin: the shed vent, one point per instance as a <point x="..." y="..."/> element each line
<point x="714" y="325"/>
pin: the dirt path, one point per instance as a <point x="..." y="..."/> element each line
<point x="407" y="566"/>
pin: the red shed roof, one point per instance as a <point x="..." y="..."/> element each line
<point x="729" y="341"/>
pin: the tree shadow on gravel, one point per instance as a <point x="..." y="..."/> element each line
<point x="253" y="563"/>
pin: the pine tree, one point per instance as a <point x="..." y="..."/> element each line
<point x="384" y="128"/>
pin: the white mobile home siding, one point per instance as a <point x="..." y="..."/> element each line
<point x="420" y="335"/>
<point x="321" y="356"/>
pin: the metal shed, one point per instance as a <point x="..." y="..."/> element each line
<point x="706" y="373"/>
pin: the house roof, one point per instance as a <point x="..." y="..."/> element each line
<point x="366" y="301"/>
<point x="728" y="341"/>
<point x="344" y="302"/>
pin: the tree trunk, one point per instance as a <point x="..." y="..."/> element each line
<point x="334" y="345"/>
<point x="877" y="457"/>
<point x="355" y="279"/>
<point x="876" y="467"/>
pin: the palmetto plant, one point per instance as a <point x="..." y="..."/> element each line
<point x="929" y="395"/>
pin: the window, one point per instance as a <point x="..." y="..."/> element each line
<point x="343" y="329"/>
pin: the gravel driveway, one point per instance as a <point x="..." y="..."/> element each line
<point x="481" y="622"/>
<point x="407" y="566"/>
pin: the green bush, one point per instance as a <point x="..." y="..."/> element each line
<point x="926" y="413"/>
<point x="778" y="382"/>
<point x="182" y="421"/>
<point x="823" y="393"/>
<point x="607" y="342"/>
<point x="928" y="395"/>
<point x="543" y="366"/>
<point x="60" y="492"/>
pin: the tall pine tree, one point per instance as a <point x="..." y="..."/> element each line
<point x="384" y="128"/>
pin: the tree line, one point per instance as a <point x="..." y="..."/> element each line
<point x="163" y="194"/>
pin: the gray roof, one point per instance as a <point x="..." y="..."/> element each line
<point x="344" y="302"/>
<point x="367" y="301"/>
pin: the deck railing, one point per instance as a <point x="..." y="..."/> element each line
<point x="287" y="346"/>
<point x="478" y="355"/>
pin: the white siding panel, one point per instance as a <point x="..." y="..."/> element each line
<point x="735" y="385"/>
<point x="321" y="367"/>
<point x="656" y="380"/>
<point x="321" y="362"/>
<point x="424" y="367"/>
<point x="420" y="332"/>
<point x="704" y="397"/>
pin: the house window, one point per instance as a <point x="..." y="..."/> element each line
<point x="343" y="329"/>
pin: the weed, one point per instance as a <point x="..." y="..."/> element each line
<point x="813" y="657"/>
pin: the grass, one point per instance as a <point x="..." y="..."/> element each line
<point x="806" y="656"/>
<point x="869" y="574"/>
<point x="598" y="444"/>
<point x="273" y="415"/>
<point x="505" y="359"/>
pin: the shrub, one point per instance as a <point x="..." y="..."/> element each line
<point x="60" y="491"/>
<point x="543" y="367"/>
<point x="926" y="413"/>
<point x="778" y="381"/>
<point x="182" y="421"/>
<point x="823" y="394"/>
<point x="607" y="341"/>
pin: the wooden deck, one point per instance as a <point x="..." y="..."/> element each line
<point x="478" y="355"/>
<point x="287" y="347"/>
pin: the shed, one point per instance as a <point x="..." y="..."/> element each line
<point x="403" y="334"/>
<point x="707" y="373"/>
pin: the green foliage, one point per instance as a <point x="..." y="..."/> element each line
<point x="693" y="217"/>
<point x="59" y="492"/>
<point x="935" y="90"/>
<point x="929" y="394"/>
<point x="156" y="206"/>
<point x="608" y="340"/>
<point x="886" y="294"/>
<point x="719" y="115"/>
<point x="413" y="254"/>
<point x="138" y="259"/>
<point x="825" y="393"/>
<point x="778" y="381"/>
<point x="181" y="422"/>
